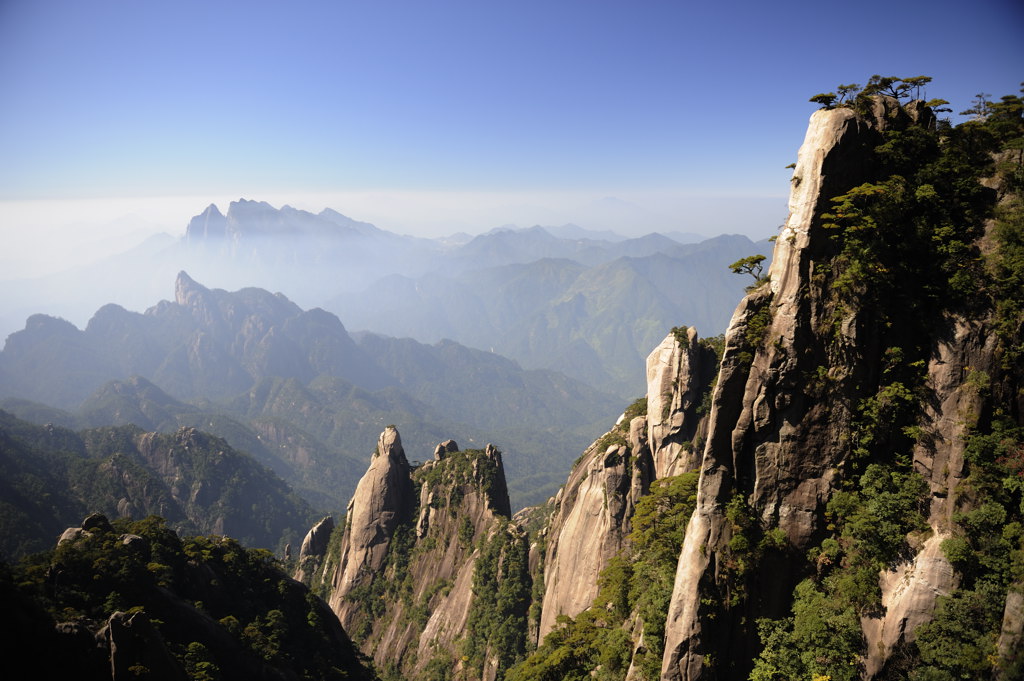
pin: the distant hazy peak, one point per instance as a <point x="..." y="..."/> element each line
<point x="185" y="288"/>
<point x="207" y="225"/>
<point x="249" y="204"/>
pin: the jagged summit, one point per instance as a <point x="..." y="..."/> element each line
<point x="421" y="551"/>
<point x="187" y="289"/>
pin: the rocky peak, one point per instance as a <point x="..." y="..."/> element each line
<point x="653" y="439"/>
<point x="206" y="227"/>
<point x="187" y="291"/>
<point x="678" y="373"/>
<point x="445" y="448"/>
<point x="409" y="576"/>
<point x="314" y="548"/>
<point x="757" y="403"/>
<point x="383" y="500"/>
<point x="795" y="367"/>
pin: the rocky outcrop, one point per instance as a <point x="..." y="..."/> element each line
<point x="590" y="522"/>
<point x="797" y="368"/>
<point x="415" y="571"/>
<point x="207" y="229"/>
<point x="1010" y="646"/>
<point x="134" y="642"/>
<point x="314" y="548"/>
<point x="589" y="526"/>
<point x="679" y="371"/>
<point x="761" y="421"/>
<point x="910" y="590"/>
<point x="382" y="502"/>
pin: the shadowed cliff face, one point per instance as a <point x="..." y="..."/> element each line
<point x="801" y="371"/>
<point x="766" y="439"/>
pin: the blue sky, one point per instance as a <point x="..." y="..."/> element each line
<point x="438" y="116"/>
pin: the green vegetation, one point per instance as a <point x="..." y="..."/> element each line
<point x="713" y="348"/>
<point x="758" y="324"/>
<point x="681" y="334"/>
<point x="496" y="626"/>
<point x="752" y="265"/>
<point x="637" y="408"/>
<point x="458" y="472"/>
<point x="223" y="611"/>
<point x="853" y="96"/>
<point x="869" y="534"/>
<point x="619" y="435"/>
<point x="906" y="260"/>
<point x="596" y="644"/>
<point x="53" y="476"/>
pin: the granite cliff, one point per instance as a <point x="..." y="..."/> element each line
<point x="430" y="573"/>
<point x="857" y="364"/>
<point x="830" y="490"/>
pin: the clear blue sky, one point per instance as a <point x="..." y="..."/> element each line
<point x="549" y="103"/>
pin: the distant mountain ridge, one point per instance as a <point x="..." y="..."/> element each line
<point x="197" y="482"/>
<point x="315" y="258"/>
<point x="293" y="388"/>
<point x="593" y="322"/>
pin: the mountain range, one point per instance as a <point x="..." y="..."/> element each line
<point x="833" y="489"/>
<point x="293" y="388"/>
<point x="387" y="283"/>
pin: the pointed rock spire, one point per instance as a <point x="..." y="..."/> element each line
<point x="383" y="500"/>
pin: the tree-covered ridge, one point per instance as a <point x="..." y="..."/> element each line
<point x="933" y="241"/>
<point x="52" y="476"/>
<point x="855" y="96"/>
<point x="166" y="607"/>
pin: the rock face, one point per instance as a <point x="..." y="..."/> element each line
<point x="679" y="371"/>
<point x="383" y="501"/>
<point x="590" y="522"/>
<point x="795" y="367"/>
<point x="133" y="641"/>
<point x="423" y="554"/>
<point x="314" y="548"/>
<point x="761" y="421"/>
<point x="589" y="526"/>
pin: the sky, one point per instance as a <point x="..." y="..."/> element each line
<point x="122" y="117"/>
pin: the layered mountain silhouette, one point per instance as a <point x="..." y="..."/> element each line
<point x="292" y="387"/>
<point x="560" y="297"/>
<point x="594" y="322"/>
<point x="196" y="482"/>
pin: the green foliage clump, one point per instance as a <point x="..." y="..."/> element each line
<point x="752" y="265"/>
<point x="958" y="642"/>
<point x="496" y="625"/>
<point x="857" y="97"/>
<point x="459" y="471"/>
<point x="184" y="586"/>
<point x="756" y="331"/>
<point x="870" y="529"/>
<point x="713" y="348"/>
<point x="821" y="640"/>
<point x="1006" y="268"/>
<point x="637" y="408"/>
<point x="681" y="335"/>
